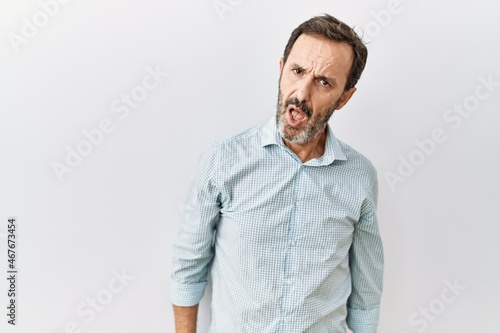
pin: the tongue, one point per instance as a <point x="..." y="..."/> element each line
<point x="297" y="115"/>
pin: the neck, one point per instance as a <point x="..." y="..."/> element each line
<point x="314" y="148"/>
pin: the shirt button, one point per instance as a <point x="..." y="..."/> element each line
<point x="288" y="282"/>
<point x="285" y="320"/>
<point x="292" y="243"/>
<point x="297" y="204"/>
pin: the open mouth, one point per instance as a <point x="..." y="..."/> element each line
<point x="295" y="115"/>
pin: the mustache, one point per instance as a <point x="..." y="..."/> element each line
<point x="299" y="104"/>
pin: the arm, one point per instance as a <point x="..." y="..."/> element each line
<point x="192" y="251"/>
<point x="185" y="318"/>
<point x="366" y="261"/>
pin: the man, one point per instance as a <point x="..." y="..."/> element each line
<point x="283" y="216"/>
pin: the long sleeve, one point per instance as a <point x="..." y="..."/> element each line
<point x="193" y="250"/>
<point x="366" y="263"/>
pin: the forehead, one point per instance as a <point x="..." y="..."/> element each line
<point x="323" y="55"/>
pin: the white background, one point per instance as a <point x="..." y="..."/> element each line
<point x="118" y="210"/>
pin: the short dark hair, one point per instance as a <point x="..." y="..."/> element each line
<point x="330" y="28"/>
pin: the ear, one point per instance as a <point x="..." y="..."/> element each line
<point x="282" y="63"/>
<point x="346" y="96"/>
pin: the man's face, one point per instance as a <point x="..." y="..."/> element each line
<point x="311" y="87"/>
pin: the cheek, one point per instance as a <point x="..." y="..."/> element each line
<point x="284" y="90"/>
<point x="286" y="85"/>
<point x="323" y="105"/>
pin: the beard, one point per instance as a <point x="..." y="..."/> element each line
<point x="314" y="125"/>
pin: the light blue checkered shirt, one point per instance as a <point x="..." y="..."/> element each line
<point x="291" y="246"/>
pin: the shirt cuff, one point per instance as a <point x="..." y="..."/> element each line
<point x="363" y="321"/>
<point x="182" y="294"/>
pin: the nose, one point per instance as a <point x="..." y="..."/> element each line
<point x="303" y="88"/>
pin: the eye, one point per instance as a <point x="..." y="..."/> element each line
<point x="297" y="71"/>
<point x="324" y="83"/>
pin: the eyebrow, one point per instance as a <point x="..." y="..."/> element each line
<point x="330" y="80"/>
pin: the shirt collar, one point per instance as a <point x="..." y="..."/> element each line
<point x="333" y="151"/>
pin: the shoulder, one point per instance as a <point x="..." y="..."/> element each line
<point x="246" y="135"/>
<point x="246" y="140"/>
<point x="359" y="165"/>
